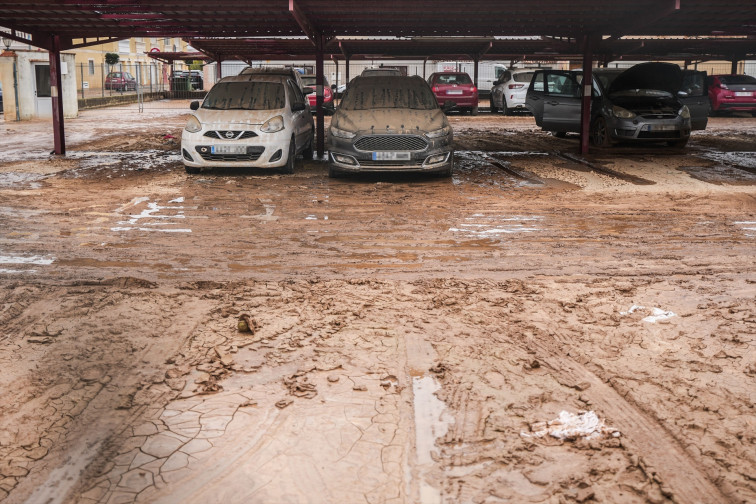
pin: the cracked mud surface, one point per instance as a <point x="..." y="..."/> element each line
<point x="411" y="338"/>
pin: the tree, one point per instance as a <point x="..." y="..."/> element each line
<point x="111" y="59"/>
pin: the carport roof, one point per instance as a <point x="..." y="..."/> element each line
<point x="76" y="19"/>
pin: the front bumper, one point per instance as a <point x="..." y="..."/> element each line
<point x="436" y="157"/>
<point x="263" y="150"/>
<point x="651" y="130"/>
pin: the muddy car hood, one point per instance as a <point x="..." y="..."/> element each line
<point x="238" y="117"/>
<point x="660" y="76"/>
<point x="389" y="120"/>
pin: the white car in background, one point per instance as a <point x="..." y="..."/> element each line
<point x="508" y="93"/>
<point x="249" y="120"/>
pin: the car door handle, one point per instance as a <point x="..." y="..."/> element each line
<point x="553" y="102"/>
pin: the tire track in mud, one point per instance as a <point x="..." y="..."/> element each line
<point x="600" y="169"/>
<point x="666" y="461"/>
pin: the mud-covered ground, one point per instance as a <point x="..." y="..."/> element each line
<point x="542" y="327"/>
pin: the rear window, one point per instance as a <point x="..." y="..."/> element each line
<point x="309" y="81"/>
<point x="523" y="77"/>
<point x="737" y="79"/>
<point x="453" y="79"/>
<point x="245" y="96"/>
<point x="388" y="93"/>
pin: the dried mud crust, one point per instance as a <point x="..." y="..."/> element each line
<point x="522" y="288"/>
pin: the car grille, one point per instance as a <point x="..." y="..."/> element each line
<point x="253" y="154"/>
<point x="230" y="134"/>
<point x="391" y="143"/>
<point x="660" y="115"/>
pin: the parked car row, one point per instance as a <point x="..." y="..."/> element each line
<point x="393" y="123"/>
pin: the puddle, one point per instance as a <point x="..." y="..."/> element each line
<point x="120" y="163"/>
<point x="36" y="260"/>
<point x="657" y="314"/>
<point x="749" y="227"/>
<point x="432" y="421"/>
<point x="721" y="174"/>
<point x="569" y="426"/>
<point x="16" y="180"/>
<point x="480" y="225"/>
<point x="743" y="159"/>
<point x="150" y="218"/>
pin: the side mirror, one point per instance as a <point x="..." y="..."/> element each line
<point x="194" y="105"/>
<point x="308" y="90"/>
<point x="296" y="107"/>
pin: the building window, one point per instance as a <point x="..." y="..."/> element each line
<point x="91" y="67"/>
<point x="124" y="46"/>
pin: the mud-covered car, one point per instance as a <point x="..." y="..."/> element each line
<point x="649" y="102"/>
<point x="390" y="124"/>
<point x="250" y="120"/>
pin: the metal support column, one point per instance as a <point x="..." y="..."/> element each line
<point x="320" y="127"/>
<point x="57" y="97"/>
<point x="475" y="72"/>
<point x="346" y="71"/>
<point x="734" y="66"/>
<point x="585" y="111"/>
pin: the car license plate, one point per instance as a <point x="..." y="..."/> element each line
<point x="660" y="127"/>
<point x="743" y="93"/>
<point x="391" y="156"/>
<point x="228" y="149"/>
<point x="454" y="91"/>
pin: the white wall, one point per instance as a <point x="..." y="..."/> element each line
<point x="25" y="78"/>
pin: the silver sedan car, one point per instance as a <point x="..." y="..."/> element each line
<point x="390" y="124"/>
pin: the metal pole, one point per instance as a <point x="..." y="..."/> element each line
<point x="585" y="112"/>
<point x="319" y="49"/>
<point x="56" y="93"/>
<point x="81" y="65"/>
<point x="15" y="87"/>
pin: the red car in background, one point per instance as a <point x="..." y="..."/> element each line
<point x="328" y="106"/>
<point x="454" y="90"/>
<point x="120" y="81"/>
<point x="732" y="92"/>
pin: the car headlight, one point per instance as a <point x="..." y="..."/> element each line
<point x="622" y="113"/>
<point x="273" y="125"/>
<point x="439" y="132"/>
<point x="193" y="125"/>
<point x="684" y="112"/>
<point x="340" y="133"/>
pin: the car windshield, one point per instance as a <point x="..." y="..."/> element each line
<point x="737" y="79"/>
<point x="523" y="77"/>
<point x="389" y="93"/>
<point x="309" y="80"/>
<point x="606" y="78"/>
<point x="380" y="72"/>
<point x="245" y="96"/>
<point x="453" y="79"/>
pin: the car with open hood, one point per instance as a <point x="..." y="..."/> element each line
<point x="390" y="124"/>
<point x="249" y="120"/>
<point x="648" y="102"/>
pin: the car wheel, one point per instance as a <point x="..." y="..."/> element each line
<point x="474" y="110"/>
<point x="333" y="172"/>
<point x="309" y="152"/>
<point x="679" y="144"/>
<point x="191" y="170"/>
<point x="289" y="166"/>
<point x="600" y="133"/>
<point x="493" y="107"/>
<point x="504" y="108"/>
<point x="559" y="134"/>
<point x="448" y="171"/>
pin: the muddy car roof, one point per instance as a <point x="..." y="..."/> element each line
<point x="255" y="78"/>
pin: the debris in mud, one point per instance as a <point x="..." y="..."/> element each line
<point x="283" y="403"/>
<point x="569" y="427"/>
<point x="299" y="385"/>
<point x="247" y="324"/>
<point x="656" y="314"/>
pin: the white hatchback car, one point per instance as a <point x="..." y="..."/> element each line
<point x="260" y="121"/>
<point x="508" y="93"/>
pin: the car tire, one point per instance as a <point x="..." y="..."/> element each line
<point x="679" y="144"/>
<point x="333" y="172"/>
<point x="448" y="171"/>
<point x="559" y="134"/>
<point x="309" y="152"/>
<point x="493" y="106"/>
<point x="600" y="133"/>
<point x="289" y="166"/>
<point x="504" y="108"/>
<point x="191" y="170"/>
<point x="474" y="110"/>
